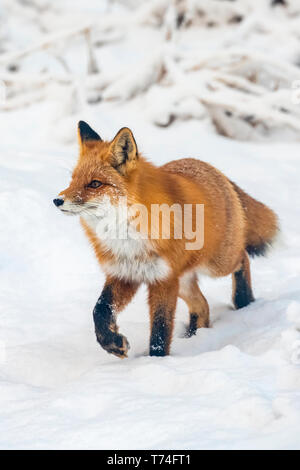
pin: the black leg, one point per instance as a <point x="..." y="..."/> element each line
<point x="161" y="334"/>
<point x="242" y="291"/>
<point x="162" y="300"/>
<point x="115" y="296"/>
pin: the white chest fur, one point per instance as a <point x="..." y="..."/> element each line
<point x="133" y="257"/>
<point x="138" y="270"/>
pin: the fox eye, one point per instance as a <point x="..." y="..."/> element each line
<point x="94" y="184"/>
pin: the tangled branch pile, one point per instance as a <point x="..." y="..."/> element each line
<point x="233" y="63"/>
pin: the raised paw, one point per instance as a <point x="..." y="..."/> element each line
<point x="114" y="343"/>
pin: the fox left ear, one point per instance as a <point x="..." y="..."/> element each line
<point x="86" y="134"/>
<point x="124" y="151"/>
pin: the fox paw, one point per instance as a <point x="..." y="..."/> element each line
<point x="116" y="344"/>
<point x="195" y="323"/>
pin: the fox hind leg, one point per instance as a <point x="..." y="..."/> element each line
<point x="190" y="292"/>
<point x="242" y="294"/>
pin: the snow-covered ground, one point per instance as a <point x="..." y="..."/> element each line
<point x="235" y="385"/>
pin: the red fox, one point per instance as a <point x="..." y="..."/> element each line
<point x="113" y="175"/>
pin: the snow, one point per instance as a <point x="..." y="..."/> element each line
<point x="233" y="386"/>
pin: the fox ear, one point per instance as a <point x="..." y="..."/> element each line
<point x="86" y="133"/>
<point x="124" y="151"/>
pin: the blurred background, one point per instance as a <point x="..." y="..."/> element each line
<point x="231" y="65"/>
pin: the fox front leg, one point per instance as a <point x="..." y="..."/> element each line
<point x="115" y="296"/>
<point x="162" y="302"/>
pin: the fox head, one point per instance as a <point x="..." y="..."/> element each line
<point x="101" y="175"/>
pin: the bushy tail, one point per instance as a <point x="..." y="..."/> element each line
<point x="262" y="224"/>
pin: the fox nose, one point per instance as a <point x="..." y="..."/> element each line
<point x="58" y="202"/>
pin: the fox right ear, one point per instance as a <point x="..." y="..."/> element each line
<point x="86" y="133"/>
<point x="124" y="151"/>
